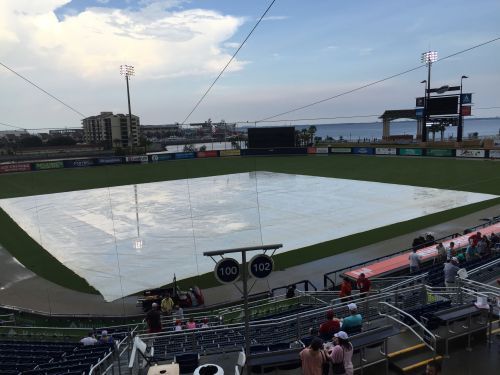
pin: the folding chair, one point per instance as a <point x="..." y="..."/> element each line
<point x="141" y="347"/>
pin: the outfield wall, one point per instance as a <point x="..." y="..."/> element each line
<point x="155" y="158"/>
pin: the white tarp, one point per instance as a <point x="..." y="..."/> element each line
<point x="93" y="231"/>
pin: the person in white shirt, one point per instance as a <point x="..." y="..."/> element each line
<point x="415" y="261"/>
<point x="89" y="340"/>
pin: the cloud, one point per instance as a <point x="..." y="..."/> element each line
<point x="331" y="48"/>
<point x="365" y="51"/>
<point x="231" y="45"/>
<point x="156" y="39"/>
<point x="275" y="18"/>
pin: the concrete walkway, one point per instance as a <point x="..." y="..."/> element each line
<point x="22" y="288"/>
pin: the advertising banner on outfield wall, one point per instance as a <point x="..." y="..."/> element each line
<point x="185" y="155"/>
<point x="110" y="160"/>
<point x="7" y="168"/>
<point x="495" y="154"/>
<point x="311" y="150"/>
<point x="464" y="153"/>
<point x="322" y="150"/>
<point x="362" y="150"/>
<point x="48" y="165"/>
<point x="410" y="151"/>
<point x="78" y="163"/>
<point x="206" y="154"/>
<point x="137" y="159"/>
<point x="439" y="152"/>
<point x="385" y="151"/>
<point x="160" y="157"/>
<point x="229" y="153"/>
<point x="275" y="151"/>
<point x="340" y="150"/>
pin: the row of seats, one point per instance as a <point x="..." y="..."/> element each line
<point x="420" y="311"/>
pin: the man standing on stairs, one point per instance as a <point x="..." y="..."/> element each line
<point x="450" y="271"/>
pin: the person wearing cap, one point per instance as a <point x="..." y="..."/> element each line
<point x="354" y="320"/>
<point x="342" y="353"/>
<point x="105" y="338"/>
<point x="153" y="319"/>
<point x="363" y="284"/>
<point x="330" y="326"/>
<point x="450" y="271"/>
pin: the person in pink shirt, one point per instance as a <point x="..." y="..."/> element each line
<point x="191" y="324"/>
<point x="313" y="357"/>
<point x="342" y="352"/>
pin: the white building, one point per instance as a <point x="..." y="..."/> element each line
<point x="111" y="130"/>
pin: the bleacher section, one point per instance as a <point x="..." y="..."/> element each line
<point x="45" y="357"/>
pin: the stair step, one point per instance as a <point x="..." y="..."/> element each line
<point x="421" y="363"/>
<point x="413" y="358"/>
<point x="405" y="350"/>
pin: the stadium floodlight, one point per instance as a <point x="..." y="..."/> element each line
<point x="128" y="71"/>
<point x="429" y="57"/>
<point x="460" y="128"/>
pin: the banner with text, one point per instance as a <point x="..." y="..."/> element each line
<point x="78" y="163"/>
<point x="340" y="150"/>
<point x="385" y="151"/>
<point x="362" y="150"/>
<point x="48" y="165"/>
<point x="495" y="154"/>
<point x="206" y="154"/>
<point x="465" y="153"/>
<point x="109" y="160"/>
<point x="229" y="153"/>
<point x="137" y="159"/>
<point x="8" y="168"/>
<point x="160" y="157"/>
<point x="439" y="152"/>
<point x="185" y="155"/>
<point x="410" y="151"/>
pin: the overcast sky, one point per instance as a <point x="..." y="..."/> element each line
<point x="302" y="52"/>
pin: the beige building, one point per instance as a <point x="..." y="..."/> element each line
<point x="111" y="130"/>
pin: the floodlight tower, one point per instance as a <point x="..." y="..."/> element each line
<point x="460" y="117"/>
<point x="428" y="58"/>
<point x="128" y="71"/>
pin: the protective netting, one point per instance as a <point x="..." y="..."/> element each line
<point x="95" y="232"/>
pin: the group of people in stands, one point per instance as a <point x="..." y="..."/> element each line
<point x="91" y="339"/>
<point x="153" y="320"/>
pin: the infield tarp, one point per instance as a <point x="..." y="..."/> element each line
<point x="93" y="232"/>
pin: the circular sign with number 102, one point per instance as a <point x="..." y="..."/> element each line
<point x="227" y="270"/>
<point x="261" y="266"/>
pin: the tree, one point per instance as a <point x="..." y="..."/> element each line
<point x="31" y="141"/>
<point x="61" y="140"/>
<point x="312" y="130"/>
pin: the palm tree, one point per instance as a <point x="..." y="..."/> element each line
<point x="312" y="130"/>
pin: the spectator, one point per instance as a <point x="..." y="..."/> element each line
<point x="342" y="353"/>
<point x="179" y="312"/>
<point x="450" y="272"/>
<point x="364" y="285"/>
<point x="153" y="319"/>
<point x="433" y="368"/>
<point x="330" y="326"/>
<point x="167" y="304"/>
<point x="290" y="292"/>
<point x="460" y="256"/>
<point x="415" y="261"/>
<point x="204" y="323"/>
<point x="450" y="251"/>
<point x="483" y="247"/>
<point x="313" y="357"/>
<point x="105" y="338"/>
<point x="494" y="240"/>
<point x="178" y="325"/>
<point x="191" y="324"/>
<point x="89" y="340"/>
<point x="471" y="253"/>
<point x="441" y="253"/>
<point x="474" y="239"/>
<point x="354" y="321"/>
<point x="345" y="290"/>
<point x="313" y="333"/>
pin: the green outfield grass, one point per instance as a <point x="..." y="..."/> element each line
<point x="482" y="176"/>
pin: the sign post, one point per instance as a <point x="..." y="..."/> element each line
<point x="227" y="271"/>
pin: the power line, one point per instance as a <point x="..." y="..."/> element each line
<point x="42" y="90"/>
<point x="374" y="83"/>
<point x="11" y="126"/>
<point x="229" y="62"/>
<point x="310" y="119"/>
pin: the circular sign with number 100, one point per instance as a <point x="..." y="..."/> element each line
<point x="261" y="266"/>
<point x="227" y="270"/>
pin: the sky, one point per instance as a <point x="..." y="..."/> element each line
<point x="302" y="52"/>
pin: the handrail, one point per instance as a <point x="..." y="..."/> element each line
<point x="483" y="266"/>
<point x="409" y="327"/>
<point x="408" y="280"/>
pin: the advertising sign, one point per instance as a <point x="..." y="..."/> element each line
<point x="410" y="151"/>
<point x="48" y="165"/>
<point x="439" y="152"/>
<point x="160" y="157"/>
<point x="137" y="159"/>
<point x="464" y="153"/>
<point x="311" y="150"/>
<point x="466" y="98"/>
<point x="466" y="110"/>
<point x="229" y="153"/>
<point x="7" y="168"/>
<point x="78" y="163"/>
<point x="109" y="160"/>
<point x="362" y="150"/>
<point x="340" y="150"/>
<point x="206" y="154"/>
<point x="185" y="155"/>
<point x="495" y="154"/>
<point x="385" y="151"/>
<point x="322" y="150"/>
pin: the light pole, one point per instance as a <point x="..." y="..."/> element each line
<point x="427" y="57"/>
<point x="425" y="109"/>
<point x="460" y="117"/>
<point x="127" y="71"/>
